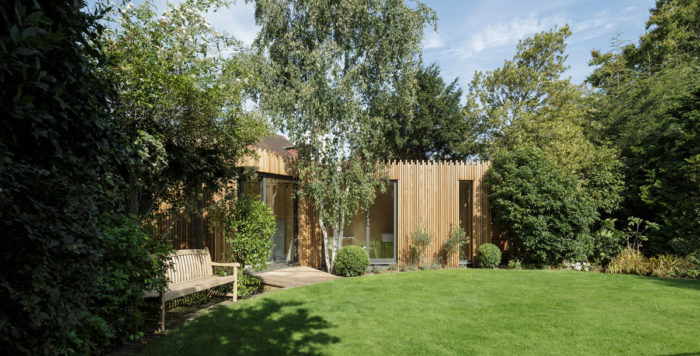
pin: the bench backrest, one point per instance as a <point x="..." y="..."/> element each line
<point x="189" y="265"/>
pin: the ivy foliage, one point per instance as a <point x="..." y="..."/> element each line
<point x="546" y="215"/>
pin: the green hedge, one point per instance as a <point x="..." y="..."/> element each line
<point x="488" y="256"/>
<point x="351" y="261"/>
<point x="547" y="217"/>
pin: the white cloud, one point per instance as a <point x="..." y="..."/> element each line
<point x="433" y="39"/>
<point x="238" y="20"/>
<point x="504" y="34"/>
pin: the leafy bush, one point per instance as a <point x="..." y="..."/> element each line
<point x="546" y="216"/>
<point x="393" y="267"/>
<point x="248" y="284"/>
<point x="455" y="239"/>
<point x="248" y="232"/>
<point x="420" y="239"/>
<point x="514" y="264"/>
<point x="488" y="255"/>
<point x="128" y="268"/>
<point x="378" y="269"/>
<point x="404" y="268"/>
<point x="351" y="261"/>
<point x="436" y="266"/>
<point x="608" y="242"/>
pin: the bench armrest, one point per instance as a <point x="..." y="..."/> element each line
<point x="219" y="264"/>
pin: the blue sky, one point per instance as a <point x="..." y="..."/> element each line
<point x="479" y="35"/>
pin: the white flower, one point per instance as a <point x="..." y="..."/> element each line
<point x="130" y="6"/>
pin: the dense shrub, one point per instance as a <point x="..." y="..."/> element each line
<point x="608" y="242"/>
<point x="488" y="256"/>
<point x="57" y="146"/>
<point x="351" y="261"/>
<point x="546" y="216"/>
<point x="420" y="239"/>
<point x="127" y="269"/>
<point x="248" y="232"/>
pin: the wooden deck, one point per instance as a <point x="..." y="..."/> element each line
<point x="294" y="277"/>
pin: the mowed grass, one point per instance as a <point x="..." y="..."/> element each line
<point x="455" y="312"/>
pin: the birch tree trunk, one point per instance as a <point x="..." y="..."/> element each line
<point x="324" y="232"/>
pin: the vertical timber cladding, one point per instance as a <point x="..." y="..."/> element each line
<point x="428" y="194"/>
<point x="429" y="197"/>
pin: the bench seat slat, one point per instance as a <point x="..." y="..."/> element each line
<point x="185" y="288"/>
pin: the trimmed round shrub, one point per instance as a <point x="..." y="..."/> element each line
<point x="488" y="255"/>
<point x="351" y="261"/>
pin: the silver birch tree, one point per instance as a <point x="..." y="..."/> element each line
<point x="331" y="65"/>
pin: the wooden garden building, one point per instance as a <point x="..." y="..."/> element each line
<point x="433" y="194"/>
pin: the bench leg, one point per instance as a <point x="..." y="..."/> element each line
<point x="235" y="284"/>
<point x="162" y="313"/>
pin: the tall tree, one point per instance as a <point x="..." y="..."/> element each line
<point x="647" y="105"/>
<point x="56" y="142"/>
<point x="528" y="103"/>
<point x="181" y="87"/>
<point x="435" y="128"/>
<point x="330" y="64"/>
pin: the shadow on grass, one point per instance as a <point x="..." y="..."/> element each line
<point x="678" y="283"/>
<point x="266" y="328"/>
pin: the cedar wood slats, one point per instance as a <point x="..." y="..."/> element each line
<point x="428" y="193"/>
<point x="182" y="230"/>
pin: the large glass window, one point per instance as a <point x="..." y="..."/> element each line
<point x="381" y="225"/>
<point x="278" y="194"/>
<point x="279" y="197"/>
<point x="465" y="217"/>
<point x="374" y="230"/>
<point x="252" y="187"/>
<point x="354" y="232"/>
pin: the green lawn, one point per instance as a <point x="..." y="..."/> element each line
<point x="458" y="312"/>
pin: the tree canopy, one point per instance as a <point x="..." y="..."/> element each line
<point x="436" y="127"/>
<point x="527" y="103"/>
<point x="646" y="104"/>
<point x="331" y="64"/>
<point x="180" y="86"/>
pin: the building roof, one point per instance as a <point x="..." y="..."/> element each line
<point x="277" y="143"/>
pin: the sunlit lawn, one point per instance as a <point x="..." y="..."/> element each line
<point x="457" y="312"/>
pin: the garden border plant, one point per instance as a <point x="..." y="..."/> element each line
<point x="351" y="261"/>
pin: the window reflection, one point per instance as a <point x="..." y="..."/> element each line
<point x="277" y="194"/>
<point x="465" y="216"/>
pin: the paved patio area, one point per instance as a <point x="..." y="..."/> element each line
<point x="294" y="277"/>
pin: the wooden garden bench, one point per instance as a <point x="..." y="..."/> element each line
<point x="191" y="272"/>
